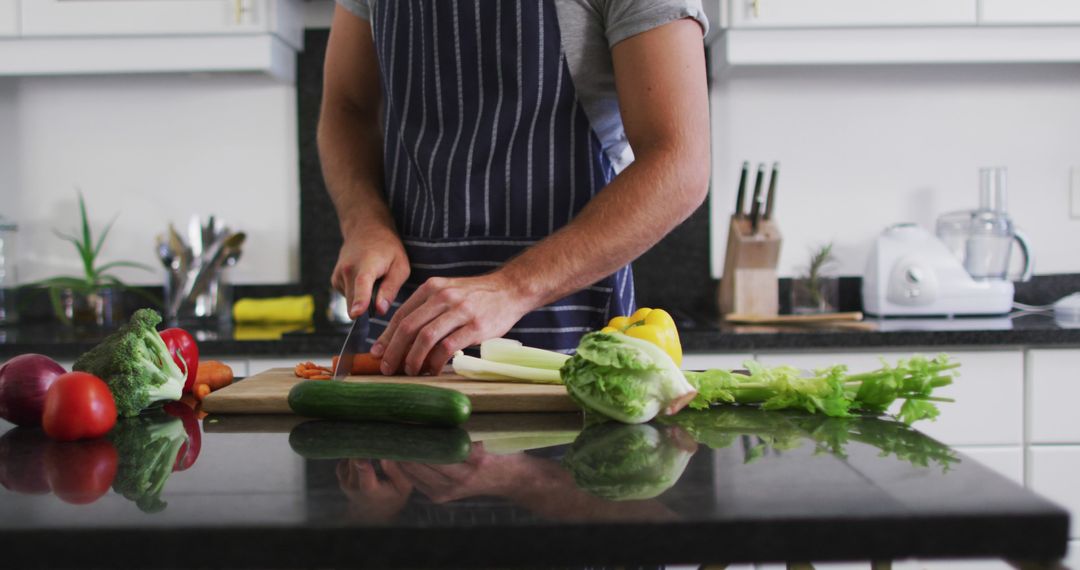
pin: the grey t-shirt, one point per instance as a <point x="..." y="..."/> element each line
<point x="589" y="29"/>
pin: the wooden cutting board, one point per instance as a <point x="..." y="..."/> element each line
<point x="267" y="393"/>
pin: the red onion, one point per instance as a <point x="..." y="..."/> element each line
<point x="23" y="383"/>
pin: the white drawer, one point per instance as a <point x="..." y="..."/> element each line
<point x="1054" y="473"/>
<point x="1007" y="461"/>
<point x="989" y="392"/>
<point x="708" y="361"/>
<point x="1055" y="389"/>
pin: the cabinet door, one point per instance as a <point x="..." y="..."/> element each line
<point x="1029" y="11"/>
<point x="825" y="13"/>
<point x="1055" y="389"/>
<point x="9" y="18"/>
<point x="136" y="17"/>
<point x="714" y="360"/>
<point x="988" y="393"/>
<point x="1053" y="475"/>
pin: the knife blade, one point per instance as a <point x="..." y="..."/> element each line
<point x="771" y="197"/>
<point x="356" y="340"/>
<point x="741" y="196"/>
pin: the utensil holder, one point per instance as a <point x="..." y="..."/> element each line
<point x="749" y="283"/>
<point x="213" y="304"/>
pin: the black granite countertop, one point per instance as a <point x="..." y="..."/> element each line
<point x="525" y="490"/>
<point x="697" y="337"/>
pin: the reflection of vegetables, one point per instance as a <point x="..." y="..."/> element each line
<point x="136" y="364"/>
<point x="185" y="353"/>
<point x="507" y="360"/>
<point x="148" y="446"/>
<point x="830" y="391"/>
<point x="23" y="383"/>
<point x="189" y="451"/>
<point x="653" y="325"/>
<point x="78" y="406"/>
<point x="373" y="440"/>
<point x="22" y="461"/>
<point x="781" y="431"/>
<point x="625" y="378"/>
<point x="628" y="462"/>
<point x="379" y="401"/>
<point x="80" y="472"/>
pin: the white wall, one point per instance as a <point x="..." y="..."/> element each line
<point x="153" y="149"/>
<point x="861" y="148"/>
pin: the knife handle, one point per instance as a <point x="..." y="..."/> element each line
<point x="769" y="201"/>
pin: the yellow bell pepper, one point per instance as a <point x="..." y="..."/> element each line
<point x="653" y="325"/>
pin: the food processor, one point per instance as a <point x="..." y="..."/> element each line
<point x="963" y="270"/>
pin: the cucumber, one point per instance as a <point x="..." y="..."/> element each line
<point x="379" y="401"/>
<point x="323" y="439"/>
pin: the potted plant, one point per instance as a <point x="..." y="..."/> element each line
<point x="816" y="291"/>
<point x="93" y="298"/>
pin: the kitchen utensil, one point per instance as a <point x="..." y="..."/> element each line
<point x="741" y="196"/>
<point x="749" y="283"/>
<point x="267" y="393"/>
<point x="356" y="340"/>
<point x="912" y="273"/>
<point x="8" y="273"/>
<point x="755" y="200"/>
<point x="982" y="239"/>
<point x="792" y="319"/>
<point x="771" y="199"/>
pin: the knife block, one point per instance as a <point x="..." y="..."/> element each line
<point x="749" y="283"/>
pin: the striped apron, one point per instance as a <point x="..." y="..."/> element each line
<point x="487" y="149"/>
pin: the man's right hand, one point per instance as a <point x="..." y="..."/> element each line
<point x="380" y="255"/>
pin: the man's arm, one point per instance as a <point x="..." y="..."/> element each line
<point x="663" y="96"/>
<point x="350" y="150"/>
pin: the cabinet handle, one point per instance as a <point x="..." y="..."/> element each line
<point x="755" y="8"/>
<point x="241" y="8"/>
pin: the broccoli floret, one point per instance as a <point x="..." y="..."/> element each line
<point x="136" y="365"/>
<point x="147" y="446"/>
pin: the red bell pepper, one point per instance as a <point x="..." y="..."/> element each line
<point x="80" y="472"/>
<point x="189" y="452"/>
<point x="184" y="352"/>
<point x="78" y="405"/>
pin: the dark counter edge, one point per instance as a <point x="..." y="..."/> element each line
<point x="1012" y="536"/>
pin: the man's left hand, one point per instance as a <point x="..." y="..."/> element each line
<point x="446" y="315"/>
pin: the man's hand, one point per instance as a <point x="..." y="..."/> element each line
<point x="446" y="315"/>
<point x="379" y="256"/>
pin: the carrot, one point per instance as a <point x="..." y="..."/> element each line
<point x="214" y="373"/>
<point x="363" y="363"/>
<point x="201" y="390"/>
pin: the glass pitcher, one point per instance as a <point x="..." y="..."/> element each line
<point x="982" y="239"/>
<point x="8" y="275"/>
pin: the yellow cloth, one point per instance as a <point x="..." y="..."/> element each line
<point x="298" y="309"/>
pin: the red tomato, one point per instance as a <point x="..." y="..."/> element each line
<point x="81" y="472"/>
<point x="78" y="405"/>
<point x="184" y="352"/>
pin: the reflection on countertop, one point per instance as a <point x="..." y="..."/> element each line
<point x="729" y="483"/>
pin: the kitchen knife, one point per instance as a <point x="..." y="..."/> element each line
<point x="741" y="197"/>
<point x="772" y="191"/>
<point x="755" y="202"/>
<point x="356" y="340"/>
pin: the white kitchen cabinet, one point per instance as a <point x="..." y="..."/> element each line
<point x="9" y="18"/>
<point x="1054" y="375"/>
<point x="1054" y="473"/>
<point x="833" y="13"/>
<point x="1007" y="461"/>
<point x="706" y="361"/>
<point x="1029" y="12"/>
<point x="162" y="17"/>
<point x="60" y="37"/>
<point x="989" y="392"/>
